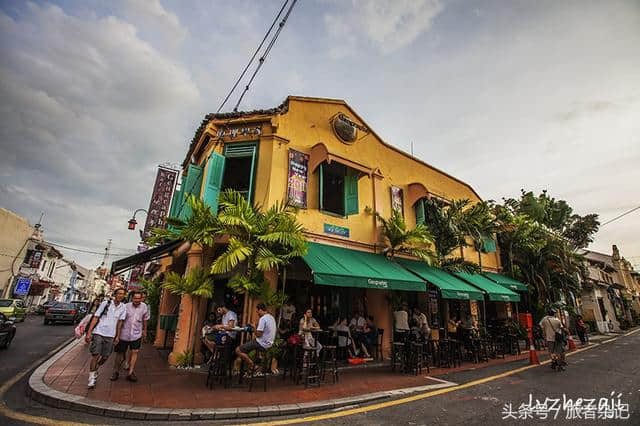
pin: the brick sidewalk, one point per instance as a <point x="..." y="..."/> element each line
<point x="163" y="387"/>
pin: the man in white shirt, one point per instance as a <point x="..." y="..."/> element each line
<point x="134" y="329"/>
<point x="104" y="332"/>
<point x="550" y="325"/>
<point x="229" y="320"/>
<point x="265" y="335"/>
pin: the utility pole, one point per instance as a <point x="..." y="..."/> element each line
<point x="105" y="258"/>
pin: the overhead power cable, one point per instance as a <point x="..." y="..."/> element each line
<point x="253" y="57"/>
<point x="266" y="53"/>
<point x="620" y="216"/>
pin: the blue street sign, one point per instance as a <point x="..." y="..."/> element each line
<point x="22" y="286"/>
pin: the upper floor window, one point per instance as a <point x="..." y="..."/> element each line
<point x="240" y="161"/>
<point x="338" y="189"/>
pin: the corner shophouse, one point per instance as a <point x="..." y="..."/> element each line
<point x="320" y="154"/>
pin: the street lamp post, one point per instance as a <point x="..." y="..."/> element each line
<point x="132" y="222"/>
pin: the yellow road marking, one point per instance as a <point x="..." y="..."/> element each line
<point x="28" y="418"/>
<point x="413" y="398"/>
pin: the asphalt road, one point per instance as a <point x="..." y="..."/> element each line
<point x="594" y="373"/>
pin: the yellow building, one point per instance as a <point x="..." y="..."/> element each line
<point x="321" y="155"/>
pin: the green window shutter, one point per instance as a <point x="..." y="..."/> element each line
<point x="350" y="193"/>
<point x="321" y="192"/>
<point x="213" y="183"/>
<point x="420" y="216"/>
<point x="175" y="205"/>
<point x="191" y="185"/>
<point x="488" y="245"/>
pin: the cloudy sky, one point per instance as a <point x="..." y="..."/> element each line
<point x="502" y="94"/>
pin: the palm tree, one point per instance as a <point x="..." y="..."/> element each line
<point x="479" y="224"/>
<point x="260" y="240"/>
<point x="196" y="284"/>
<point x="397" y="238"/>
<point x="448" y="227"/>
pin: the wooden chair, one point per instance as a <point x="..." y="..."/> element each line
<point x="220" y="365"/>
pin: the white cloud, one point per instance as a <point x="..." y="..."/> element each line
<point x="387" y="25"/>
<point x="88" y="110"/>
<point x="154" y="18"/>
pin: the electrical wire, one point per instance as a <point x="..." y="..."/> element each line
<point x="253" y="57"/>
<point x="620" y="216"/>
<point x="266" y="53"/>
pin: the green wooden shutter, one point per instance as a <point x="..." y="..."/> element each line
<point x="191" y="185"/>
<point x="321" y="191"/>
<point x="213" y="183"/>
<point x="488" y="245"/>
<point x="175" y="205"/>
<point x="350" y="193"/>
<point x="420" y="216"/>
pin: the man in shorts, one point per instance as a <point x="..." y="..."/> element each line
<point x="104" y="332"/>
<point x="265" y="335"/>
<point x="134" y="329"/>
<point x="550" y="326"/>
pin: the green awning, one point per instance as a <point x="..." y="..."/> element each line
<point x="450" y="286"/>
<point x="506" y="281"/>
<point x="343" y="267"/>
<point x="496" y="292"/>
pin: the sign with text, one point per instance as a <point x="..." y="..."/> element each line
<point x="298" y="178"/>
<point x="160" y="200"/>
<point x="336" y="230"/>
<point x="22" y="286"/>
<point x="396" y="200"/>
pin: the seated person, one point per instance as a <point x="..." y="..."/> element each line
<point x="452" y="327"/>
<point x="207" y="334"/>
<point x="307" y="325"/>
<point x="423" y="325"/>
<point x="475" y="330"/>
<point x="285" y="329"/>
<point x="344" y="336"/>
<point x="229" y="321"/>
<point x="265" y="335"/>
<point x="370" y="334"/>
<point x="401" y="319"/>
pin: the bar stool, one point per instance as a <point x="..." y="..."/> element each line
<point x="264" y="361"/>
<point x="293" y="358"/>
<point x="310" y="367"/>
<point x="220" y="366"/>
<point x="415" y="358"/>
<point x="329" y="359"/>
<point x="399" y="350"/>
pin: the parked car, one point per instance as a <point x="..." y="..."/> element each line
<point x="40" y="310"/>
<point x="7" y="331"/>
<point x="81" y="305"/>
<point x="13" y="308"/>
<point x="62" y="312"/>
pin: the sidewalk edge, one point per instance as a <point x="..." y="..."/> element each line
<point x="41" y="392"/>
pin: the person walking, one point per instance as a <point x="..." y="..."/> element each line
<point x="104" y="332"/>
<point x="554" y="333"/>
<point x="265" y="335"/>
<point x="581" y="329"/>
<point x="134" y="329"/>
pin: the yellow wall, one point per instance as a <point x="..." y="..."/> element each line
<point x="306" y="123"/>
<point x="14" y="232"/>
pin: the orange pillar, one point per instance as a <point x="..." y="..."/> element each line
<point x="378" y="306"/>
<point x="168" y="302"/>
<point x="183" y="340"/>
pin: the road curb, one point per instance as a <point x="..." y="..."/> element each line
<point x="41" y="392"/>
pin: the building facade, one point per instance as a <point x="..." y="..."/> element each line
<point x="320" y="155"/>
<point x="15" y="232"/>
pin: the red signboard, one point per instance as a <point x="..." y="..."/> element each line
<point x="160" y="200"/>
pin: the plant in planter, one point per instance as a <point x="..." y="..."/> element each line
<point x="184" y="359"/>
